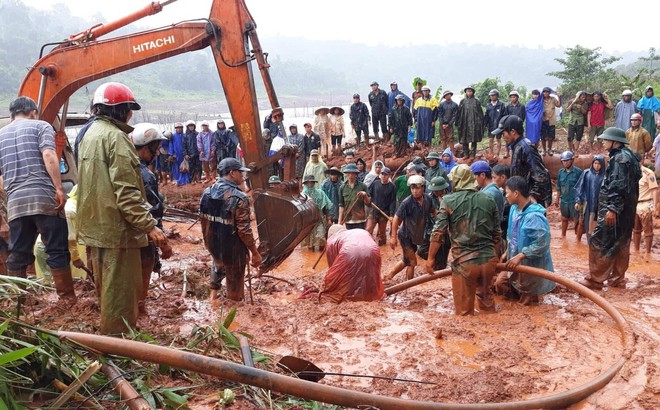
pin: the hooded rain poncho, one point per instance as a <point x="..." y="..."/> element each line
<point x="648" y="107"/>
<point x="588" y="185"/>
<point x="354" y="268"/>
<point x="317" y="236"/>
<point x="529" y="234"/>
<point x="534" y="113"/>
<point x="447" y="166"/>
<point x="470" y="120"/>
<point x="372" y="175"/>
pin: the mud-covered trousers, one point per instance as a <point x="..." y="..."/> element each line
<point x="235" y="280"/>
<point x="118" y="277"/>
<point x="470" y="279"/>
<point x="609" y="268"/>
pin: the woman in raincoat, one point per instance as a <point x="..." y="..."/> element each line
<point x="316" y="238"/>
<point x="528" y="244"/>
<point x="374" y="173"/>
<point x="315" y="166"/>
<point x="447" y="162"/>
<point x="587" y="188"/>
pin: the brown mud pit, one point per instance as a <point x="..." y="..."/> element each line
<point x="518" y="353"/>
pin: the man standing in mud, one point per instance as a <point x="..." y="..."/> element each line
<point x="113" y="214"/>
<point x="378" y="101"/>
<point x="400" y="122"/>
<point x="30" y="168"/>
<point x="225" y="218"/>
<point x="470" y="220"/>
<point x="609" y="247"/>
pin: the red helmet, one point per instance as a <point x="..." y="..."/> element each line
<point x="636" y="116"/>
<point x="115" y="94"/>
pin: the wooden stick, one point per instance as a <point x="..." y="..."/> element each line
<point x="76" y="385"/>
<point x="350" y="208"/>
<point x="250" y="284"/>
<point x="389" y="218"/>
<point x="61" y="386"/>
<point x="320" y="256"/>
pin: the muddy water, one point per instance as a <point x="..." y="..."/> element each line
<point x="517" y="353"/>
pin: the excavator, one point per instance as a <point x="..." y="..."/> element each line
<point x="284" y="217"/>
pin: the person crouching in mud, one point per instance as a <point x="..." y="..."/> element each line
<point x="529" y="245"/>
<point x="354" y="266"/>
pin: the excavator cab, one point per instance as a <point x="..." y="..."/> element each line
<point x="283" y="216"/>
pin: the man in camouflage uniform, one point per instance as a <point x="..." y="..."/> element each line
<point x="225" y="218"/>
<point x="471" y="220"/>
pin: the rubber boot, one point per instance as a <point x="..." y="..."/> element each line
<point x="636" y="240"/>
<point x="564" y="227"/>
<point x="64" y="283"/>
<point x="550" y="148"/>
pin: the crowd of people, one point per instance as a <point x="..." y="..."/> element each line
<point x="439" y="206"/>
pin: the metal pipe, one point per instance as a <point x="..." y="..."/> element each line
<point x="344" y="397"/>
<point x="127" y="393"/>
<point x="417" y="281"/>
<point x="102" y="29"/>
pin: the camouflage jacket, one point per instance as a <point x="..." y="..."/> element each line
<point x="472" y="221"/>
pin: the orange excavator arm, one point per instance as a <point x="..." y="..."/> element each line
<point x="284" y="218"/>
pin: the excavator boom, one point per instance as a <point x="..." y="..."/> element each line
<point x="284" y="217"/>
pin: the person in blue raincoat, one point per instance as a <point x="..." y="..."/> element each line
<point x="529" y="245"/>
<point x="534" y="117"/>
<point x="447" y="162"/>
<point x="391" y="96"/>
<point x="425" y="112"/>
<point x="176" y="152"/>
<point x="587" y="189"/>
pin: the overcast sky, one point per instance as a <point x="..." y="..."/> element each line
<point x="533" y="24"/>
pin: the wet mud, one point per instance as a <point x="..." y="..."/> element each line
<point x="517" y="353"/>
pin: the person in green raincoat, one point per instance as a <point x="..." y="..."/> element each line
<point x="317" y="237"/>
<point x="113" y="213"/>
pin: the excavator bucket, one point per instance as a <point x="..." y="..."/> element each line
<point x="283" y="221"/>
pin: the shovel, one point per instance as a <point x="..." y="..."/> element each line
<point x="307" y="370"/>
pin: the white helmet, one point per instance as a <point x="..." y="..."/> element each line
<point x="144" y="133"/>
<point x="416" y="180"/>
<point x="190" y="122"/>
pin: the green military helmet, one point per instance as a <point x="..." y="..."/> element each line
<point x="309" y="178"/>
<point x="614" y="134"/>
<point x="438" y="184"/>
<point x="274" y="179"/>
<point x="433" y="155"/>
